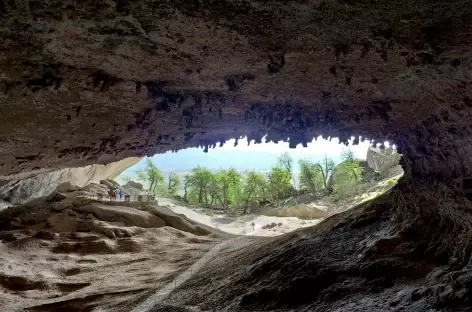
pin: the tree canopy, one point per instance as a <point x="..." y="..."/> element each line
<point x="152" y="175"/>
<point x="229" y="189"/>
<point x="311" y="176"/>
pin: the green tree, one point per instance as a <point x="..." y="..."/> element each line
<point x="351" y="167"/>
<point x="285" y="161"/>
<point x="222" y="190"/>
<point x="173" y="184"/>
<point x="214" y="190"/>
<point x="348" y="175"/>
<point x="254" y="188"/>
<point x="326" y="167"/>
<point x="152" y="175"/>
<point x="311" y="176"/>
<point x="197" y="183"/>
<point x="233" y="178"/>
<point x="225" y="187"/>
<point x="279" y="183"/>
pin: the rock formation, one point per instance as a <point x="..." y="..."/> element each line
<point x="77" y="210"/>
<point x="18" y="189"/>
<point x="97" y="81"/>
<point x="77" y="251"/>
<point x="383" y="160"/>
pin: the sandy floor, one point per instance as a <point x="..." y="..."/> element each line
<point x="46" y="275"/>
<point x="256" y="225"/>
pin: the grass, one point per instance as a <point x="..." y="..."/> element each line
<point x="392" y="181"/>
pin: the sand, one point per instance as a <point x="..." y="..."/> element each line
<point x="83" y="272"/>
<point x="256" y="225"/>
<point x="67" y="252"/>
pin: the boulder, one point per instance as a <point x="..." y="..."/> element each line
<point x="301" y="199"/>
<point x="47" y="235"/>
<point x="63" y="222"/>
<point x="382" y="159"/>
<point x="81" y="201"/>
<point x="66" y="187"/>
<point x="95" y="189"/>
<point x="109" y="230"/>
<point x="135" y="185"/>
<point x="110" y="185"/>
<point x="177" y="221"/>
<point x="56" y="196"/>
<point x="129" y="216"/>
<point x="60" y="206"/>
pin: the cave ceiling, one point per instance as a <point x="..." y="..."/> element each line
<point x="85" y="82"/>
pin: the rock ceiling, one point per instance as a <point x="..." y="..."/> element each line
<point x="85" y="82"/>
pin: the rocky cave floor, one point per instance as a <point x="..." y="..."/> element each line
<point x="354" y="261"/>
<point x="75" y="253"/>
<point x="68" y="252"/>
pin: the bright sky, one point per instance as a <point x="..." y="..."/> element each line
<point x="319" y="146"/>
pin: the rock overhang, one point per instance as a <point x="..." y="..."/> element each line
<point x="94" y="82"/>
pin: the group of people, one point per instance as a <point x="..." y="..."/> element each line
<point x="115" y="193"/>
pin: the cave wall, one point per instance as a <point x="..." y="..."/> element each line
<point x="85" y="82"/>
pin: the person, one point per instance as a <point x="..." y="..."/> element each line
<point x="112" y="194"/>
<point x="121" y="194"/>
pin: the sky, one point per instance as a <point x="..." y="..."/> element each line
<point x="260" y="157"/>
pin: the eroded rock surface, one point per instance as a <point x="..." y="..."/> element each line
<point x="383" y="161"/>
<point x="354" y="262"/>
<point x="17" y="189"/>
<point x="93" y="254"/>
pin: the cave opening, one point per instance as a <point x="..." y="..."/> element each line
<point x="131" y="213"/>
<point x="244" y="181"/>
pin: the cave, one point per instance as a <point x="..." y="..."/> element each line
<point x="93" y="82"/>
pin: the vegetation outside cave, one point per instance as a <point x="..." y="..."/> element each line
<point x="289" y="181"/>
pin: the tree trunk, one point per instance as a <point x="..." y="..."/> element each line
<point x="247" y="201"/>
<point x="225" y="198"/>
<point x="325" y="183"/>
<point x="151" y="187"/>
